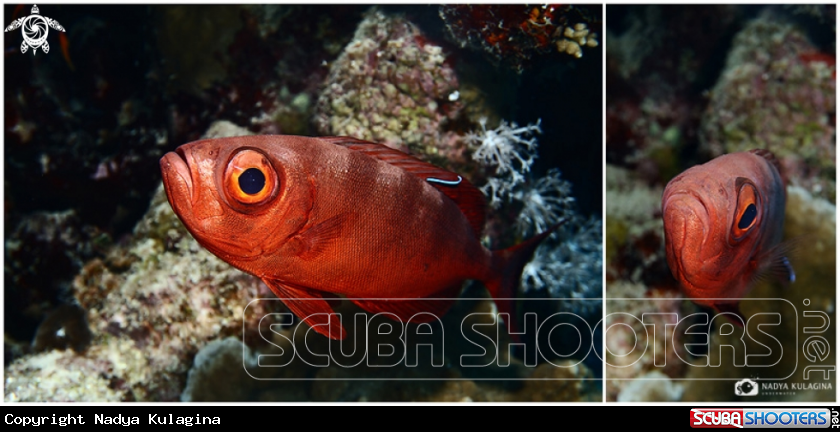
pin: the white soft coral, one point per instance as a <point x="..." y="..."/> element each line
<point x="546" y="202"/>
<point x="569" y="267"/>
<point x="568" y="264"/>
<point x="509" y="149"/>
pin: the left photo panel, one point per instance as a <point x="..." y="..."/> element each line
<point x="303" y="203"/>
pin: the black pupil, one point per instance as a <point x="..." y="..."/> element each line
<point x="748" y="217"/>
<point x="252" y="181"/>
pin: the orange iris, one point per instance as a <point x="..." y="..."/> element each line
<point x="747" y="212"/>
<point x="250" y="178"/>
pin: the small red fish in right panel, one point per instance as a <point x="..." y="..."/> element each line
<point x="723" y="224"/>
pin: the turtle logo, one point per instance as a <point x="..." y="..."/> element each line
<point x="34" y="28"/>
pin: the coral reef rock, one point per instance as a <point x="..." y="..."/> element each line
<point x="777" y="92"/>
<point x="654" y="386"/>
<point x="43" y="252"/>
<point x="104" y="374"/>
<point x="513" y="34"/>
<point x="393" y="86"/>
<point x="634" y="236"/>
<point x="152" y="302"/>
<point x="219" y="372"/>
<point x="634" y="349"/>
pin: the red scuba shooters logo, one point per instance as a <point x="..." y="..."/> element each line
<point x="760" y="417"/>
<point x="717" y="418"/>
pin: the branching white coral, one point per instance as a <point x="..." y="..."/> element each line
<point x="571" y="267"/>
<point x="568" y="265"/>
<point x="507" y="148"/>
<point x="510" y="150"/>
<point x="497" y="190"/>
<point x="546" y="202"/>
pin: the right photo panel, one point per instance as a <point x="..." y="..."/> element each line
<point x="720" y="203"/>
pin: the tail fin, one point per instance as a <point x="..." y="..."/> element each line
<point x="509" y="263"/>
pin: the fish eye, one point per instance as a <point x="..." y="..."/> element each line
<point x="747" y="213"/>
<point x="250" y="178"/>
<point x="747" y="217"/>
<point x="252" y="181"/>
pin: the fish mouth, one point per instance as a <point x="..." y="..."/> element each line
<point x="687" y="220"/>
<point x="177" y="177"/>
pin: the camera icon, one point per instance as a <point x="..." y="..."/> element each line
<point x="746" y="387"/>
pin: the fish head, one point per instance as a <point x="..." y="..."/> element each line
<point x="717" y="219"/>
<point x="240" y="197"/>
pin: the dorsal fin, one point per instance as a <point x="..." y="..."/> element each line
<point x="468" y="198"/>
<point x="771" y="158"/>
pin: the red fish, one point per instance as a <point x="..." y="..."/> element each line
<point x="315" y="217"/>
<point x="723" y="227"/>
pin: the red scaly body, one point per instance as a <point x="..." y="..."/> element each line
<point x="338" y="216"/>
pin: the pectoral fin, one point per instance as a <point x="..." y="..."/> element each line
<point x="775" y="262"/>
<point x="310" y="307"/>
<point x="313" y="241"/>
